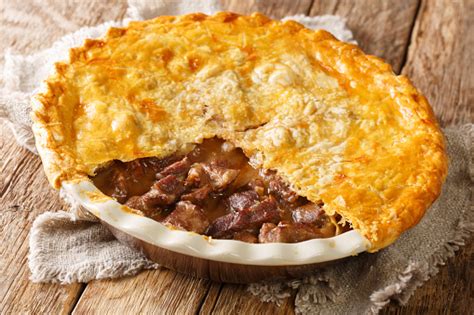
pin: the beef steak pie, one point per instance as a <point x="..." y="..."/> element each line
<point x="242" y="128"/>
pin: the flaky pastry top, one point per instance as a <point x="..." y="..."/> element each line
<point x="337" y="124"/>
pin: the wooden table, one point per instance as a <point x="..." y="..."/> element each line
<point x="430" y="41"/>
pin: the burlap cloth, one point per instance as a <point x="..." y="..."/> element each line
<point x="70" y="246"/>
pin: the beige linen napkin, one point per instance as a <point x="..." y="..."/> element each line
<point x="70" y="246"/>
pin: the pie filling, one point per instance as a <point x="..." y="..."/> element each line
<point x="213" y="190"/>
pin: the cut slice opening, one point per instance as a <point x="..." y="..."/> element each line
<point x="214" y="191"/>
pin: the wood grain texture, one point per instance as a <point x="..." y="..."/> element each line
<point x="273" y="8"/>
<point x="433" y="62"/>
<point x="24" y="194"/>
<point x="235" y="299"/>
<point x="451" y="291"/>
<point x="28" y="26"/>
<point x="209" y="302"/>
<point x="381" y="28"/>
<point x="151" y="292"/>
<point x="25" y="27"/>
<point x="440" y="59"/>
<point x="440" y="64"/>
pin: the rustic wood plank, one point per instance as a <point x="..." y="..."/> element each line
<point x="159" y="291"/>
<point x="439" y="60"/>
<point x="449" y="292"/>
<point x="273" y="8"/>
<point x="31" y="190"/>
<point x="235" y="299"/>
<point x="381" y="28"/>
<point x="26" y="26"/>
<point x="24" y="195"/>
<point x="209" y="302"/>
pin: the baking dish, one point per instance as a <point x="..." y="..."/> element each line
<point x="338" y="126"/>
<point x="218" y="260"/>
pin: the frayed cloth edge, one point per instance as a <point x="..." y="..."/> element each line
<point x="87" y="271"/>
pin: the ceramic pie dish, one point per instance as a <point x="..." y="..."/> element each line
<point x="239" y="148"/>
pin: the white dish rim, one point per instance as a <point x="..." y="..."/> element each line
<point x="228" y="251"/>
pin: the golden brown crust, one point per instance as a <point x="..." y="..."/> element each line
<point x="337" y="124"/>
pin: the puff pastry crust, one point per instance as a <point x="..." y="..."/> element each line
<point x="337" y="124"/>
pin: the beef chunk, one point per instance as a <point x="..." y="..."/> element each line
<point x="282" y="190"/>
<point x="132" y="178"/>
<point x="214" y="174"/>
<point x="310" y="213"/>
<point x="137" y="202"/>
<point x="178" y="168"/>
<point x="220" y="177"/>
<point x="187" y="216"/>
<point x="279" y="188"/>
<point x="196" y="176"/>
<point x="170" y="185"/>
<point x="198" y="195"/>
<point x="258" y="186"/>
<point x="287" y="233"/>
<point x="222" y="226"/>
<point x="240" y="201"/>
<point x="264" y="235"/>
<point x="158" y="164"/>
<point x="247" y="236"/>
<point x="136" y="169"/>
<point x="256" y="215"/>
<point x="249" y="218"/>
<point x="164" y="192"/>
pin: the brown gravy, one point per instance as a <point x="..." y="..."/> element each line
<point x="161" y="189"/>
